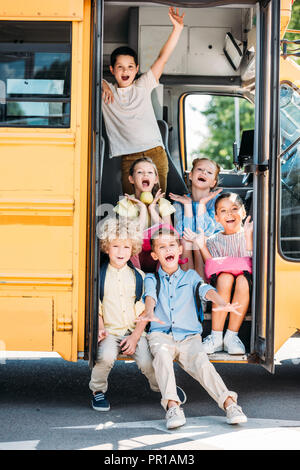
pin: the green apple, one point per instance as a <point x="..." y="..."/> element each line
<point x="146" y="197"/>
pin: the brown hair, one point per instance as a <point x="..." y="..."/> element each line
<point x="146" y="160"/>
<point x="164" y="231"/>
<point x="237" y="198"/>
<point x="217" y="167"/>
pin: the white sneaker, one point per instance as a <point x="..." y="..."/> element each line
<point x="175" y="417"/>
<point x="210" y="345"/>
<point x="235" y="415"/>
<point x="233" y="345"/>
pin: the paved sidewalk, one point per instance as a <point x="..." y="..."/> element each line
<point x="205" y="433"/>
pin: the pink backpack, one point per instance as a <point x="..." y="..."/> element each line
<point x="228" y="264"/>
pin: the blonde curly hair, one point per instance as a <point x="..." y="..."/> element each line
<point x="113" y="228"/>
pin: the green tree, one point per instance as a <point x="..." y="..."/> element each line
<point x="294" y="24"/>
<point x="220" y="116"/>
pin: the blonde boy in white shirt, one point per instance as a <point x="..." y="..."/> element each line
<point x="118" y="311"/>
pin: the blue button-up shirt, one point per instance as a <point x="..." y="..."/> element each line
<point x="176" y="305"/>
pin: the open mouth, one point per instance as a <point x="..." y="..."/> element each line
<point x="230" y="221"/>
<point x="202" y="179"/>
<point x="170" y="258"/>
<point x="145" y="183"/>
<point x="125" y="78"/>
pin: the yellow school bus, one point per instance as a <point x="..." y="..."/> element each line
<point x="57" y="181"/>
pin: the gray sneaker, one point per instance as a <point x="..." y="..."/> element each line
<point x="210" y="345"/>
<point x="233" y="345"/>
<point x="175" y="417"/>
<point x="235" y="415"/>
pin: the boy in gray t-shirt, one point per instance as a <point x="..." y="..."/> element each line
<point x="129" y="117"/>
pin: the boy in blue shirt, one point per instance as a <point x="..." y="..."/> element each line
<point x="175" y="331"/>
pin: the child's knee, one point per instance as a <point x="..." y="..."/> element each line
<point x="162" y="355"/>
<point x="226" y="279"/>
<point x="241" y="283"/>
<point x="107" y="357"/>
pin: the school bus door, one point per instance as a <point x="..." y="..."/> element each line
<point x="265" y="184"/>
<point x="95" y="178"/>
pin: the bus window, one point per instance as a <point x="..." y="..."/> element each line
<point x="212" y="124"/>
<point x="290" y="171"/>
<point x="35" y="59"/>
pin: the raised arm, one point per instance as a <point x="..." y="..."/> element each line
<point x="248" y="232"/>
<point x="198" y="240"/>
<point x="166" y="51"/>
<point x="107" y="94"/>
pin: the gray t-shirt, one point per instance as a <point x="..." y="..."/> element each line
<point x="130" y="121"/>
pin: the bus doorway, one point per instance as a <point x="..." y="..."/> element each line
<point x="255" y="80"/>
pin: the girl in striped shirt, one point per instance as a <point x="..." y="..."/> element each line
<point x="235" y="241"/>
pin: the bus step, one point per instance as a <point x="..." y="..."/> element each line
<point x="248" y="317"/>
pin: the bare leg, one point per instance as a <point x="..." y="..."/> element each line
<point x="224" y="287"/>
<point x="241" y="296"/>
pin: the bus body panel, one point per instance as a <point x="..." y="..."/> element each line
<point x="43" y="202"/>
<point x="287" y="273"/>
<point x="45" y="181"/>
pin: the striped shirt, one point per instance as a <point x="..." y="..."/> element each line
<point x="233" y="245"/>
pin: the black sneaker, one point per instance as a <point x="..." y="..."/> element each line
<point x="100" y="402"/>
<point x="181" y="395"/>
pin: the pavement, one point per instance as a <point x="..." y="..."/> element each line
<point x="45" y="405"/>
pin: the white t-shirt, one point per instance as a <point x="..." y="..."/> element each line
<point x="130" y="121"/>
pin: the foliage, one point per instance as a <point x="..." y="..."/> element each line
<point x="220" y="115"/>
<point x="294" y="24"/>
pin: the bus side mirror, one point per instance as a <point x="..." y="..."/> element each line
<point x="245" y="156"/>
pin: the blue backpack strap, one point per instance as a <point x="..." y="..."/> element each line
<point x="138" y="282"/>
<point x="103" y="269"/>
<point x="157" y="284"/>
<point x="198" y="303"/>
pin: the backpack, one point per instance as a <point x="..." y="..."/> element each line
<point x="197" y="297"/>
<point x="138" y="281"/>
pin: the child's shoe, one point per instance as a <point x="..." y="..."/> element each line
<point x="100" y="402"/>
<point x="212" y="344"/>
<point x="233" y="344"/>
<point x="175" y="417"/>
<point x="235" y="415"/>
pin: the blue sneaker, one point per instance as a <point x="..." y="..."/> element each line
<point x="100" y="402"/>
<point x="181" y="395"/>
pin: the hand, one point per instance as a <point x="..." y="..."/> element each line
<point x="136" y="201"/>
<point x="248" y="227"/>
<point x="157" y="197"/>
<point x="149" y="317"/>
<point x="204" y="200"/>
<point x="128" y="345"/>
<point x="191" y="236"/>
<point x="228" y="308"/>
<point x="107" y="94"/>
<point x="102" y="334"/>
<point x="185" y="199"/>
<point x="175" y="18"/>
